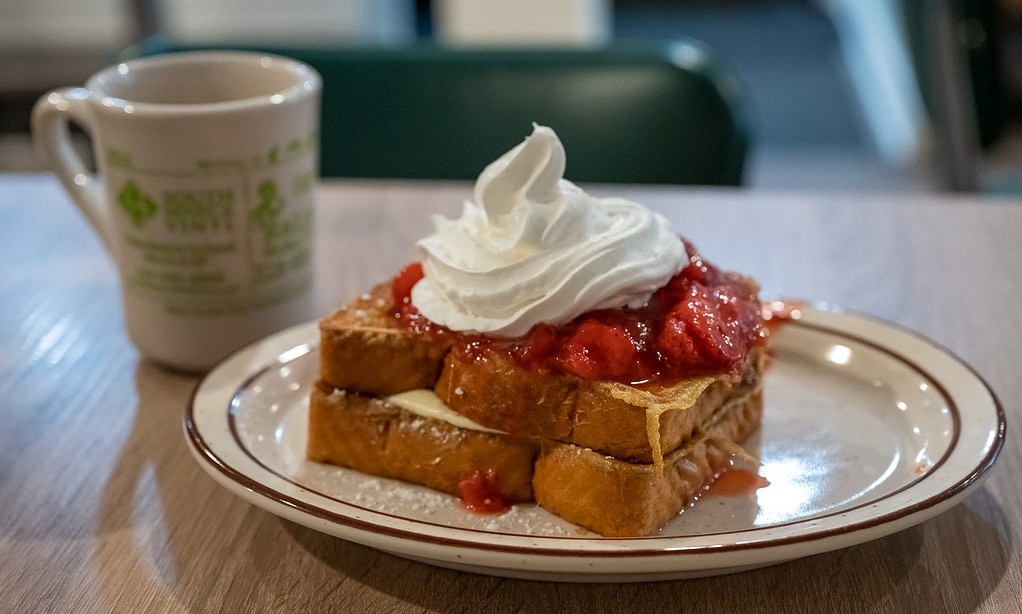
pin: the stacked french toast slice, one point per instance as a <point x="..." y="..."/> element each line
<point x="471" y="420"/>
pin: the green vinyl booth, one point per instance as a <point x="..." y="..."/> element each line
<point x="661" y="114"/>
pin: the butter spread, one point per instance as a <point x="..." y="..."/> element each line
<point x="532" y="247"/>
<point x="427" y="404"/>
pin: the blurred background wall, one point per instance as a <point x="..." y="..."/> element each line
<point x="832" y="84"/>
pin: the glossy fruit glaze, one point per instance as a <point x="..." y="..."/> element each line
<point x="703" y="321"/>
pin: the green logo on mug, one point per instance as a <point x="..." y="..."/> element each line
<point x="270" y="206"/>
<point x="139" y="207"/>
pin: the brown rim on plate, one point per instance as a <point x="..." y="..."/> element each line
<point x="668" y="544"/>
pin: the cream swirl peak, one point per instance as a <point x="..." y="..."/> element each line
<point x="534" y="247"/>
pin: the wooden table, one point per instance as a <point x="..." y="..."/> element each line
<point x="102" y="508"/>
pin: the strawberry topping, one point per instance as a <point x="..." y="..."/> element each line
<point x="702" y="322"/>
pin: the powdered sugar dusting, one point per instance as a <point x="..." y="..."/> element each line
<point x="412" y="502"/>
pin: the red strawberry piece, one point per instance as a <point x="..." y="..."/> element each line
<point x="539" y="344"/>
<point x="402" y="284"/>
<point x="703" y="328"/>
<point x="598" y="351"/>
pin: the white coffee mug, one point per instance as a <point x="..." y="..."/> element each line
<point x="207" y="163"/>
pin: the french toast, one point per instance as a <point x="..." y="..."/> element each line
<point x="363" y="348"/>
<point x="616" y="459"/>
<point x="551" y="346"/>
<point x="376" y="437"/>
<point x="626" y="422"/>
<point x="616" y="498"/>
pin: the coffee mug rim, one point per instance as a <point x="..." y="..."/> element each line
<point x="307" y="83"/>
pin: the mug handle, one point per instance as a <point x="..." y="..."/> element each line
<point x="50" y="119"/>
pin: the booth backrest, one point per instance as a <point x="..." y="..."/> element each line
<point x="663" y="114"/>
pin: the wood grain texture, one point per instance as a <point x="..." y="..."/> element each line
<point x="102" y="508"/>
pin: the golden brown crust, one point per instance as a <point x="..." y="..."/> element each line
<point x="363" y="348"/>
<point x="619" y="499"/>
<point x="601" y="441"/>
<point x="607" y="417"/>
<point x="375" y="437"/>
<point x="606" y="495"/>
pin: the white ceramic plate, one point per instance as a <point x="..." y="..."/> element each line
<point x="868" y="429"/>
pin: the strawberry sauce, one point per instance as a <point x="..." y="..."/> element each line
<point x="702" y="322"/>
<point x="734" y="482"/>
<point x="480" y="493"/>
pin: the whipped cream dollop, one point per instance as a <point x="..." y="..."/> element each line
<point x="533" y="247"/>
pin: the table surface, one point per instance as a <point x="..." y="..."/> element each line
<point x="102" y="507"/>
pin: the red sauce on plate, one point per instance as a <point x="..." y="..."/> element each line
<point x="480" y="493"/>
<point x="703" y="321"/>
<point x="780" y="311"/>
<point x="733" y="482"/>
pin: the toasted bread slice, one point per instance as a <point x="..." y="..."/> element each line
<point x="375" y="437"/>
<point x="606" y="495"/>
<point x="363" y="348"/>
<point x="626" y="422"/>
<point x="619" y="499"/>
<point x="618" y="460"/>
